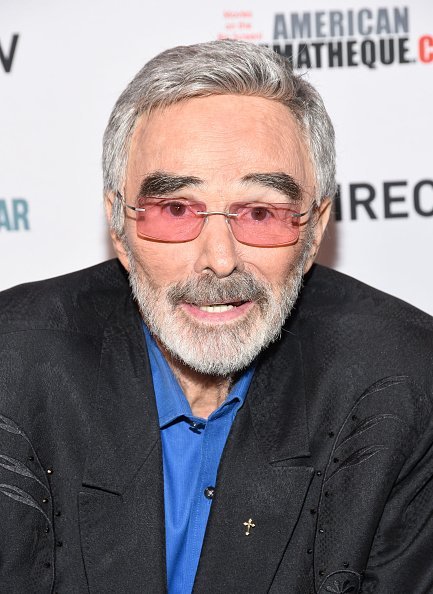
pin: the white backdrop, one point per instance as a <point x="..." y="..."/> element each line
<point x="62" y="66"/>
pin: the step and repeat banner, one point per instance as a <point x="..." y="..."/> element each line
<point x="63" y="65"/>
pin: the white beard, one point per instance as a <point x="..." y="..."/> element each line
<point x="216" y="349"/>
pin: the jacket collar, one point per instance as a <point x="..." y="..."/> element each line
<point x="124" y="426"/>
<point x="277" y="401"/>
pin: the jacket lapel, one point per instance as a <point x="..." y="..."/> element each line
<point x="121" y="501"/>
<point x="263" y="478"/>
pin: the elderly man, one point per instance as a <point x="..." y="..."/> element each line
<point x="214" y="431"/>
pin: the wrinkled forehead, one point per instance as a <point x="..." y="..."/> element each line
<point x="227" y="109"/>
<point x="221" y="138"/>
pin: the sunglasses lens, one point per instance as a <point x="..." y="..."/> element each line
<point x="265" y="225"/>
<point x="169" y="220"/>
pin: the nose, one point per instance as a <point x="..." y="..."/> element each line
<point x="218" y="249"/>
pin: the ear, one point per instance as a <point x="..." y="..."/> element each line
<point x="322" y="214"/>
<point x="118" y="244"/>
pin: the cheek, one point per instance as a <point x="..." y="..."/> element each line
<point x="161" y="263"/>
<point x="273" y="265"/>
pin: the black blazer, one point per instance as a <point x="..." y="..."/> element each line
<point x="331" y="455"/>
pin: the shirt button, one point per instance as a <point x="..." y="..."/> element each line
<point x="209" y="492"/>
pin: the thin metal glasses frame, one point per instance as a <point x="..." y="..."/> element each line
<point x="205" y="214"/>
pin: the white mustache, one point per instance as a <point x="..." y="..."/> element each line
<point x="240" y="286"/>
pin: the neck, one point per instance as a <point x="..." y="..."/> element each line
<point x="205" y="393"/>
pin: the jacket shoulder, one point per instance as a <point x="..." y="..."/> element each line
<point x="78" y="301"/>
<point x="327" y="291"/>
<point x="362" y="333"/>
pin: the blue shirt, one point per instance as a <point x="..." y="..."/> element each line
<point x="191" y="450"/>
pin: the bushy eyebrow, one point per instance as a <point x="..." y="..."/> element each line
<point x="161" y="183"/>
<point x="279" y="181"/>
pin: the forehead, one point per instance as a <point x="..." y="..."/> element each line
<point x="220" y="139"/>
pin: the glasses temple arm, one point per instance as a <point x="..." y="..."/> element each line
<point x="130" y="206"/>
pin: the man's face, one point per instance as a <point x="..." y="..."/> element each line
<point x="214" y="303"/>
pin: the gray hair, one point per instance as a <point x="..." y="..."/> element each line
<point x="217" y="68"/>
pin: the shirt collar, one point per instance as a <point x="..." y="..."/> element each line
<point x="170" y="399"/>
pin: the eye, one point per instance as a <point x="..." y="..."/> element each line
<point x="260" y="213"/>
<point x="169" y="207"/>
<point x="175" y="209"/>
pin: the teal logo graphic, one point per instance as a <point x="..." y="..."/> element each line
<point x="14" y="215"/>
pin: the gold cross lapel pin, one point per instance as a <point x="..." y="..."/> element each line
<point x="248" y="525"/>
